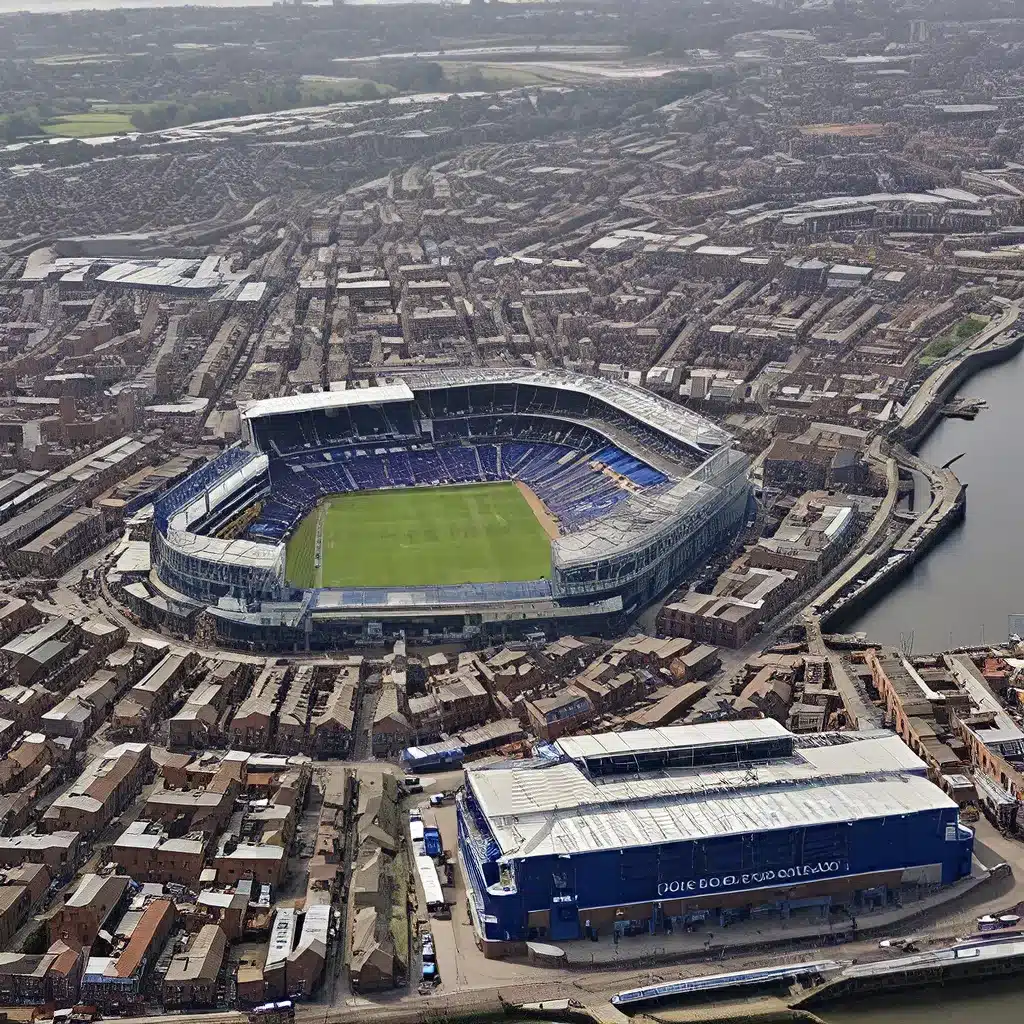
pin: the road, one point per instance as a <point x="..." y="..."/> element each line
<point x="470" y="991"/>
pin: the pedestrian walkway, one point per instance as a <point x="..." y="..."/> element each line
<point x="712" y="942"/>
<point x="605" y="1013"/>
<point x="708" y="941"/>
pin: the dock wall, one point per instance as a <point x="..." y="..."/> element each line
<point x="953" y="377"/>
<point x="954" y="972"/>
<point x="946" y="382"/>
<point x="880" y="584"/>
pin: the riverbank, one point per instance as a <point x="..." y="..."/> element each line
<point x="881" y="570"/>
<point x="983" y="351"/>
<point x="996" y="1001"/>
<point x="759" y="1010"/>
<point x="963" y="591"/>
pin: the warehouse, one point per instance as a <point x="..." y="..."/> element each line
<point x="670" y="828"/>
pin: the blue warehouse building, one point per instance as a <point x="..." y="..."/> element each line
<point x="665" y="828"/>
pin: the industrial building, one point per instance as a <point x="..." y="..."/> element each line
<point x="674" y="827"/>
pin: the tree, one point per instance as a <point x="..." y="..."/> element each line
<point x="21" y="123"/>
<point x="433" y="75"/>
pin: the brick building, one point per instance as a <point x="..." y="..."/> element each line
<point x="105" y="788"/>
<point x="564" y="712"/>
<point x="145" y="852"/>
<point x="191" y="978"/>
<point x="97" y="899"/>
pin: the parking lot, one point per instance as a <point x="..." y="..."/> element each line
<point x="461" y="965"/>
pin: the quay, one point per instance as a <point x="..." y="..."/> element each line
<point x="744" y="995"/>
<point x="975" y="960"/>
<point x="997" y="343"/>
<point x="963" y="408"/>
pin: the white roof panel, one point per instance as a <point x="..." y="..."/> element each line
<point x="639" y="740"/>
<point x="211" y="898"/>
<point x="253" y="554"/>
<point x="326" y="400"/>
<point x="224" y="488"/>
<point x="432" y="892"/>
<point x="316" y="925"/>
<point x="537" y="809"/>
<point x="678" y="819"/>
<point x="282" y="936"/>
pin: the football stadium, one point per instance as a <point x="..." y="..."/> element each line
<point x="700" y="827"/>
<point x="451" y="504"/>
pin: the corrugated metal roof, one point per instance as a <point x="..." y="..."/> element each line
<point x="645" y="740"/>
<point x="687" y="818"/>
<point x="537" y="810"/>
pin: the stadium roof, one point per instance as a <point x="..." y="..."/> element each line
<point x="326" y="400"/>
<point x="677" y="422"/>
<point x="247" y="553"/>
<point x="536" y="809"/>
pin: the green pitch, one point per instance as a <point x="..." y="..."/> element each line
<point x="423" y="536"/>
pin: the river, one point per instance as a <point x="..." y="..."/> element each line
<point x="997" y="1001"/>
<point x="963" y="590"/>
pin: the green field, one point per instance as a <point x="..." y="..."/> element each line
<point x="85" y="126"/>
<point x="422" y="536"/>
<point x="336" y="88"/>
<point x="940" y="347"/>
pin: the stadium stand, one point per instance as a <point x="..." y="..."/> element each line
<point x="199" y="482"/>
<point x="640" y="488"/>
<point x="571" y="466"/>
<point x="575" y="483"/>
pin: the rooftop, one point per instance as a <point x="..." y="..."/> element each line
<point x="674" y="737"/>
<point x="202" y="960"/>
<point x="327" y="399"/>
<point x="546" y="807"/>
<point x="282" y="936"/>
<point x="93" y="887"/>
<point x="687" y="427"/>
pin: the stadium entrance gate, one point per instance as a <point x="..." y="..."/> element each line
<point x="564" y="918"/>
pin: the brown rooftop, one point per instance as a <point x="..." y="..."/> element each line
<point x="143" y="935"/>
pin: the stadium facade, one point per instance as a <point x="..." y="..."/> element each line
<point x="642" y="490"/>
<point x="702" y="824"/>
